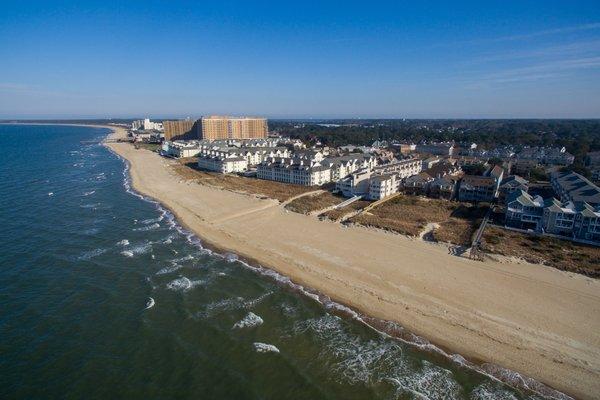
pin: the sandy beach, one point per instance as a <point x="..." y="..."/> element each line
<point x="536" y="320"/>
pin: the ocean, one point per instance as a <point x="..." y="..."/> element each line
<point x="104" y="296"/>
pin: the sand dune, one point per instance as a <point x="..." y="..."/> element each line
<point x="536" y="320"/>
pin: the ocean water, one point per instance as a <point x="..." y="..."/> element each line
<point x="104" y="296"/>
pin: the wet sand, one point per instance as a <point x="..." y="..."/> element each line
<point x="536" y="320"/>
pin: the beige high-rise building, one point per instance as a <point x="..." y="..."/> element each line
<point x="185" y="129"/>
<point x="224" y="127"/>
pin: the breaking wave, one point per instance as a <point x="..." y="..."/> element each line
<point x="265" y="348"/>
<point x="183" y="284"/>
<point x="251" y="320"/>
<point x="147" y="228"/>
<point x="91" y="254"/>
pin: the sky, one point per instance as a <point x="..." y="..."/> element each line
<point x="302" y="59"/>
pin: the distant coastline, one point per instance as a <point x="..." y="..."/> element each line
<point x="491" y="312"/>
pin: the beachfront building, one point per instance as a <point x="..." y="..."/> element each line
<point x="443" y="187"/>
<point x="355" y="184"/>
<point x="381" y="186"/>
<point x="146" y="136"/>
<point x="185" y="129"/>
<point x="512" y="184"/>
<point x="484" y="188"/>
<point x="181" y="149"/>
<point x="226" y="159"/>
<point x="417" y="184"/>
<point x="225" y="127"/>
<point x="146" y="125"/>
<point x="312" y="167"/>
<point x="224" y="165"/>
<point x="289" y="170"/>
<point x="559" y="218"/>
<point x="570" y="186"/>
<point x="575" y="219"/>
<point x="377" y="181"/>
<point x="587" y="223"/>
<point x="578" y="220"/>
<point x="524" y="211"/>
<point x="477" y="188"/>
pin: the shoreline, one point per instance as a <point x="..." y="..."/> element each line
<point x="554" y="368"/>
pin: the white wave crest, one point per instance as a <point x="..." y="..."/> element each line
<point x="123" y="242"/>
<point x="183" y="284"/>
<point x="249" y="321"/>
<point x="91" y="254"/>
<point x="136" y="250"/>
<point x="168" y="270"/>
<point x="147" y="228"/>
<point x="150" y="303"/>
<point x="490" y="391"/>
<point x="265" y="348"/>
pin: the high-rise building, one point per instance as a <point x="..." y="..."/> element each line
<point x="147" y="125"/>
<point x="224" y="127"/>
<point x="185" y="129"/>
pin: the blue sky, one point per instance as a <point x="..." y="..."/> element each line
<point x="425" y="59"/>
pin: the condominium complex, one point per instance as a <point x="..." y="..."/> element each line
<point x="311" y="167"/>
<point x="578" y="220"/>
<point x="185" y="129"/>
<point x="233" y="159"/>
<point x="224" y="127"/>
<point x="570" y="186"/>
<point x="547" y="155"/>
<point x="377" y="182"/>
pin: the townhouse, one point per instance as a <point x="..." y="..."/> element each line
<point x="570" y="186"/>
<point x="578" y="220"/>
<point x="484" y="188"/>
<point x="511" y="184"/>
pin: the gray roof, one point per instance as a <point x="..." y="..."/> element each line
<point x="525" y="199"/>
<point x="578" y="187"/>
<point x="514" y="180"/>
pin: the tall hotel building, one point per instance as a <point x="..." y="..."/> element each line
<point x="185" y="129"/>
<point x="222" y="127"/>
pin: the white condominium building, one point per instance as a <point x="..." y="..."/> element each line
<point x="146" y="124"/>
<point x="285" y="170"/>
<point x="310" y="167"/>
<point x="381" y="186"/>
<point x="355" y="184"/>
<point x="181" y="149"/>
<point x="229" y="159"/>
<point x="402" y="168"/>
<point x="225" y="165"/>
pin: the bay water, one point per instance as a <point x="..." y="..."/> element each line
<point x="104" y="296"/>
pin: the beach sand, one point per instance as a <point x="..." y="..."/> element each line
<point x="536" y="320"/>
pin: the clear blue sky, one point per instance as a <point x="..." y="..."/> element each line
<point x="319" y="59"/>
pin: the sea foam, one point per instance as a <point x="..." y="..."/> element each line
<point x="265" y="348"/>
<point x="249" y="321"/>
